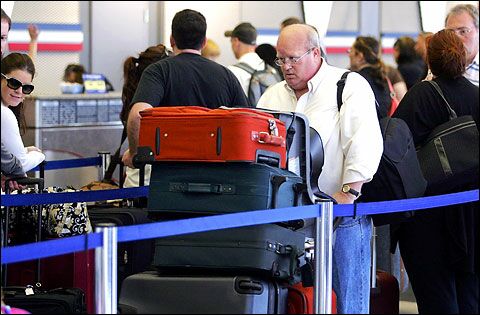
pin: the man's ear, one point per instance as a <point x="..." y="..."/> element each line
<point x="204" y="43"/>
<point x="172" y="42"/>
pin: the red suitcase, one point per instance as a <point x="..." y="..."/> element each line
<point x="193" y="133"/>
<point x="385" y="297"/>
<point x="300" y="300"/>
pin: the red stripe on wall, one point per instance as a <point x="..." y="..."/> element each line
<point x="387" y="50"/>
<point x="46" y="47"/>
<point x="337" y="50"/>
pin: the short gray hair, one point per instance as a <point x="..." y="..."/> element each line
<point x="460" y="8"/>
<point x="313" y="37"/>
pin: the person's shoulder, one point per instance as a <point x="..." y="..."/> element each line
<point x="7" y="112"/>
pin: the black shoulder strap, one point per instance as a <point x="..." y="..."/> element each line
<point x="246" y="67"/>
<point x="115" y="160"/>
<point x="340" y="86"/>
<point x="451" y="112"/>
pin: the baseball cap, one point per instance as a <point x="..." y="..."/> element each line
<point x="245" y="32"/>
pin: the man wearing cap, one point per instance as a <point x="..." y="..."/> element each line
<point x="244" y="41"/>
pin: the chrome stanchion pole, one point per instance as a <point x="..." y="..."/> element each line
<point x="106" y="270"/>
<point x="105" y="155"/>
<point x="323" y="259"/>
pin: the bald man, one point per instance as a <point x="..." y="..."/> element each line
<point x="353" y="147"/>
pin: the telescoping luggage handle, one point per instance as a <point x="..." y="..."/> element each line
<point x="23" y="181"/>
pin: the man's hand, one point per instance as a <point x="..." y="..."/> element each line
<point x="13" y="185"/>
<point x="127" y="159"/>
<point x="343" y="198"/>
<point x="33" y="148"/>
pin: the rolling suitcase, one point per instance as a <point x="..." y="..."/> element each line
<point x="134" y="256"/>
<point x="189" y="188"/>
<point x="192" y="133"/>
<point x="385" y="290"/>
<point x="385" y="297"/>
<point x="268" y="250"/>
<point x="300" y="300"/>
<point x="150" y="293"/>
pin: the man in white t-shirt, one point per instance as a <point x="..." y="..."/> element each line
<point x="244" y="41"/>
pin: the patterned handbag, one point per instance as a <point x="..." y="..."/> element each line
<point x="58" y="220"/>
<point x="67" y="219"/>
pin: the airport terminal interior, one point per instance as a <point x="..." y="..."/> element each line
<point x="146" y="145"/>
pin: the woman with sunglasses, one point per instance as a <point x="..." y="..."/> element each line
<point x="17" y="75"/>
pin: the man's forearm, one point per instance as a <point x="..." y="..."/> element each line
<point x="133" y="132"/>
<point x="133" y="126"/>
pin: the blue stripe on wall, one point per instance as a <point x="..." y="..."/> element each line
<point x="48" y="27"/>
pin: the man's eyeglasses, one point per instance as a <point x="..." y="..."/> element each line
<point x="290" y="60"/>
<point x="14" y="84"/>
<point x="461" y="31"/>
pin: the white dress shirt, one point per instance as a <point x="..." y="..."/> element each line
<point x="254" y="61"/>
<point x="352" y="139"/>
<point x="13" y="142"/>
<point x="471" y="72"/>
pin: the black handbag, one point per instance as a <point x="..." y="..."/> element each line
<point x="449" y="157"/>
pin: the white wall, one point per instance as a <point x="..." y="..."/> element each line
<point x="225" y="15"/>
<point x="49" y="65"/>
<point x="119" y="30"/>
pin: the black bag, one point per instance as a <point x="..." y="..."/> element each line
<point x="449" y="156"/>
<point x="133" y="256"/>
<point x="399" y="175"/>
<point x="56" y="301"/>
<point x="260" y="80"/>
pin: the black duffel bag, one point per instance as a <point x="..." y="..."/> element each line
<point x="449" y="157"/>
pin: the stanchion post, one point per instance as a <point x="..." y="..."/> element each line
<point x="323" y="259"/>
<point x="106" y="270"/>
<point x="105" y="155"/>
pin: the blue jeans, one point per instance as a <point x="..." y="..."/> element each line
<point x="351" y="265"/>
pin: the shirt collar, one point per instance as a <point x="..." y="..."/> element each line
<point x="475" y="60"/>
<point x="315" y="81"/>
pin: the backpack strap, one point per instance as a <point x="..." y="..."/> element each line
<point x="340" y="86"/>
<point x="245" y="67"/>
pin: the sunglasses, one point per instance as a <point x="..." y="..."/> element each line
<point x="14" y="84"/>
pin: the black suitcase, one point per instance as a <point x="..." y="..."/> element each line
<point x="149" y="293"/>
<point x="134" y="256"/>
<point x="56" y="301"/>
<point x="268" y="250"/>
<point x="189" y="188"/>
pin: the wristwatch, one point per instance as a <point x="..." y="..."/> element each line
<point x="348" y="190"/>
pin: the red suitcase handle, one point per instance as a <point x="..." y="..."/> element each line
<point x="264" y="137"/>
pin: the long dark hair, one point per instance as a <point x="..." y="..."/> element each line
<point x="132" y="71"/>
<point x="12" y="62"/>
<point x="370" y="47"/>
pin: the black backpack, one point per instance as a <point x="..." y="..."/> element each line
<point x="399" y="175"/>
<point x="260" y="80"/>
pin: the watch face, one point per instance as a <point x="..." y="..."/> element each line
<point x="345" y="188"/>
